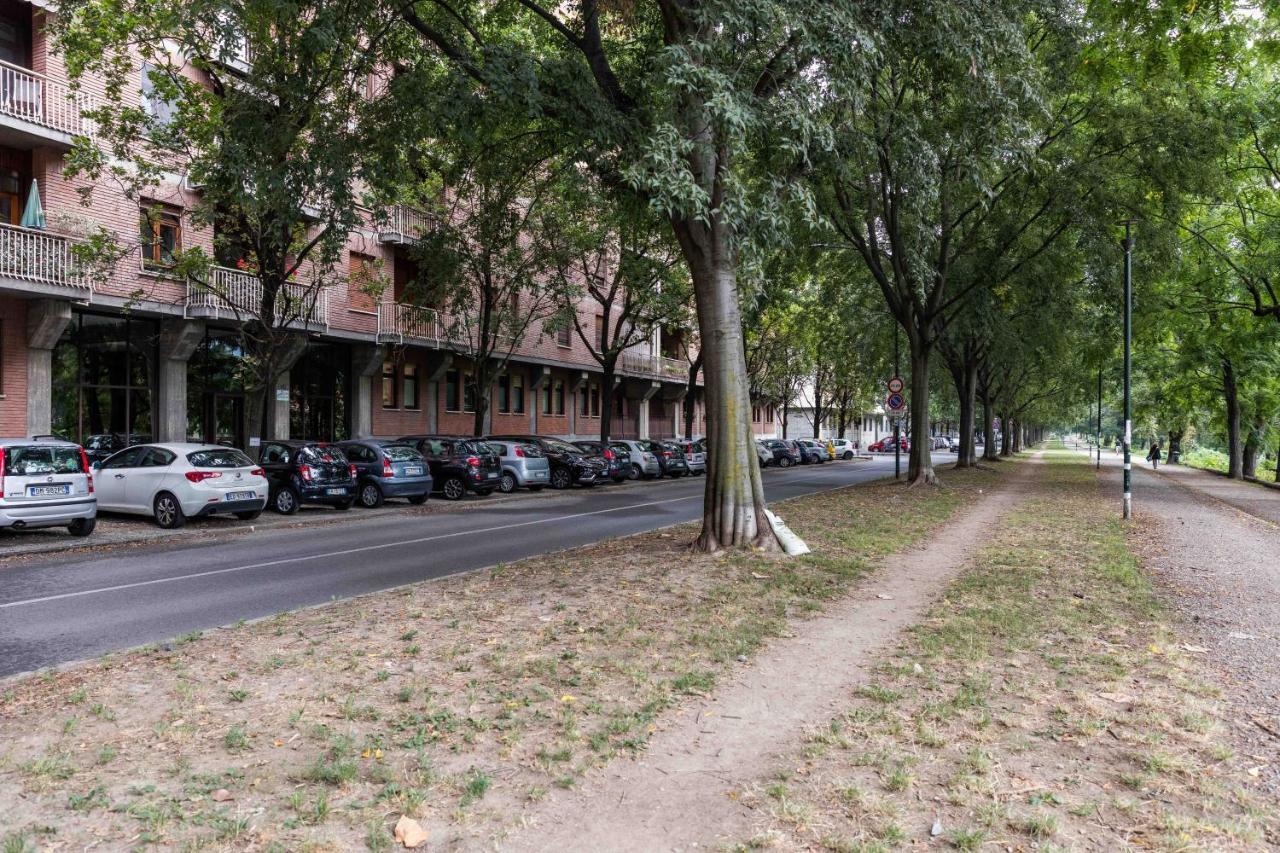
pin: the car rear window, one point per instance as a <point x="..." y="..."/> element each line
<point x="225" y="457"/>
<point x="401" y="453"/>
<point x="621" y="448"/>
<point x="32" y="461"/>
<point x="562" y="446"/>
<point x="329" y="455"/>
<point x="472" y="447"/>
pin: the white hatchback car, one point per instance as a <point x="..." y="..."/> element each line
<point x="844" y="448"/>
<point x="174" y="482"/>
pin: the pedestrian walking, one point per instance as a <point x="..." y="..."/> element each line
<point x="1153" y="455"/>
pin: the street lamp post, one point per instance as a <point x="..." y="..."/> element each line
<point x="1128" y="367"/>
<point x="897" y="419"/>
<point x="1099" y="436"/>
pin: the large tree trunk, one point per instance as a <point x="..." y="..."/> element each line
<point x="733" y="502"/>
<point x="920" y="465"/>
<point x="1231" y="396"/>
<point x="1175" y="446"/>
<point x="989" y="450"/>
<point x="1006" y="438"/>
<point x="786" y="417"/>
<point x="965" y="377"/>
<point x="1253" y="443"/>
<point x="817" y="408"/>
<point x="606" y="400"/>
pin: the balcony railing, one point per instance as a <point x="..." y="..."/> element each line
<point x="34" y="255"/>
<point x="398" y="322"/>
<point x="35" y="98"/>
<point x="655" y="365"/>
<point x="404" y="225"/>
<point x="236" y="294"/>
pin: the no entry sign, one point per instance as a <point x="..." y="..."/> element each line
<point x="896" y="385"/>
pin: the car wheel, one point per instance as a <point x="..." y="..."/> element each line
<point x="417" y="500"/>
<point x="454" y="489"/>
<point x="848" y="454"/>
<point x="345" y="505"/>
<point x="784" y="462"/>
<point x="82" y="526"/>
<point x="286" y="501"/>
<point x="248" y="514"/>
<point x="167" y="512"/>
<point x="561" y="478"/>
<point x="371" y="496"/>
<point x="635" y="473"/>
<point x="507" y="484"/>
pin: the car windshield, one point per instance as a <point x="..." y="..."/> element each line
<point x="31" y="461"/>
<point x="223" y="457"/>
<point x="561" y="446"/>
<point x="328" y="455"/>
<point x="401" y="453"/>
<point x="621" y="448"/>
<point x="472" y="447"/>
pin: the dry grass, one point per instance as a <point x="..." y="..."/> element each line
<point x="1046" y="701"/>
<point x="460" y="702"/>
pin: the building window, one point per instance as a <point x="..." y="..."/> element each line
<point x="160" y="108"/>
<point x="562" y="337"/>
<point x="560" y="397"/>
<point x="755" y="414"/>
<point x="517" y="393"/>
<point x="504" y="394"/>
<point x="103" y="380"/>
<point x="11" y="202"/>
<point x="546" y="398"/>
<point x="599" y="333"/>
<point x="468" y="393"/>
<point x="388" y="384"/>
<point x="618" y="403"/>
<point x="595" y="401"/>
<point x="768" y="413"/>
<point x="452" y="395"/>
<point x="584" y="403"/>
<point x="360" y="278"/>
<point x="410" y="386"/>
<point x="161" y="232"/>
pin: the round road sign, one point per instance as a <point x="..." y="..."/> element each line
<point x="896" y="385"/>
<point x="895" y="402"/>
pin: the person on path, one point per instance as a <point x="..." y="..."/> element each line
<point x="1153" y="455"/>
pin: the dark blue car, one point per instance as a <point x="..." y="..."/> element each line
<point x="387" y="469"/>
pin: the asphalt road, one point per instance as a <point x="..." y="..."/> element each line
<point x="78" y="606"/>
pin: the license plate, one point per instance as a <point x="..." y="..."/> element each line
<point x="412" y="472"/>
<point x="336" y="491"/>
<point x="539" y="475"/>
<point x="46" y="491"/>
<point x="491" y="476"/>
<point x="241" y="496"/>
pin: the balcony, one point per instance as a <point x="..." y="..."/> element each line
<point x="402" y="323"/>
<point x="237" y="295"/>
<point x="404" y="225"/>
<point x="35" y="110"/>
<point x="44" y="262"/>
<point x="659" y="367"/>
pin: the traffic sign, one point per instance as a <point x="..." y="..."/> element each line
<point x="896" y="385"/>
<point x="895" y="402"/>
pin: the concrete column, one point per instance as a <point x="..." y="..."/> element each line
<point x="178" y="342"/>
<point x="366" y="363"/>
<point x="576" y="387"/>
<point x="437" y="366"/>
<point x="541" y="377"/>
<point x="47" y="319"/>
<point x="642" y="425"/>
<point x="289" y="355"/>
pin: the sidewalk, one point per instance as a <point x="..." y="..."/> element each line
<point x="1257" y="500"/>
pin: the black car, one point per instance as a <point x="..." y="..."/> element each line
<point x="99" y="447"/>
<point x="614" y="468"/>
<point x="784" y="455"/>
<point x="307" y="472"/>
<point x="458" y="463"/>
<point x="670" y="457"/>
<point x="569" y="463"/>
<point x="387" y="469"/>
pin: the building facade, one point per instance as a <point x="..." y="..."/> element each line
<point x="135" y="353"/>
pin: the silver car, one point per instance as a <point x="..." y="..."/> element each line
<point x="643" y="462"/>
<point x="522" y="465"/>
<point x="46" y="482"/>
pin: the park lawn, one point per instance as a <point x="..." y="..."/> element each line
<point x="1047" y="701"/>
<point x="1216" y="460"/>
<point x="457" y="702"/>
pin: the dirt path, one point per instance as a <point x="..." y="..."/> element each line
<point x="1223" y="568"/>
<point x="682" y="793"/>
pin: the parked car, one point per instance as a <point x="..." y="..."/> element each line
<point x="695" y="454"/>
<point x="615" y="468"/>
<point x="523" y="465"/>
<point x="100" y="446"/>
<point x="784" y="453"/>
<point x="46" y="482"/>
<point x="812" y="452"/>
<point x="307" y="472"/>
<point x="387" y="469"/>
<point x="459" y="464"/>
<point x="670" y="457"/>
<point x="569" y="464"/>
<point x="940" y="442"/>
<point x="763" y="454"/>
<point x="844" y="448"/>
<point x="644" y="463"/>
<point x="174" y="482"/>
<point x="885" y="445"/>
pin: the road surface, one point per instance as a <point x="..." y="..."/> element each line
<point x="75" y="606"/>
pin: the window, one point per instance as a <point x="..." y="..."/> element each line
<point x="388" y="384"/>
<point x="618" y="403"/>
<point x="504" y="394"/>
<point x="452" y="392"/>
<point x="517" y="393"/>
<point x="584" y="403"/>
<point x="559" y="396"/>
<point x="360" y="278"/>
<point x="562" y="337"/>
<point x="599" y="333"/>
<point x="155" y="104"/>
<point x="1" y="358"/>
<point x="546" y="398"/>
<point x="275" y="454"/>
<point x="160" y="230"/>
<point x="768" y="413"/>
<point x="156" y="457"/>
<point x="410" y="385"/>
<point x="11" y="201"/>
<point x="755" y="414"/>
<point x="468" y="393"/>
<point x="595" y="401"/>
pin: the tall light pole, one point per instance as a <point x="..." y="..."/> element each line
<point x="897" y="420"/>
<point x="1099" y="436"/>
<point x="1128" y="367"/>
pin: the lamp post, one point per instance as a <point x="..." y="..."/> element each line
<point x="1127" y="243"/>
<point x="897" y="420"/>
<point x="1099" y="435"/>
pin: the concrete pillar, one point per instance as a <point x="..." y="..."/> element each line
<point x="540" y="379"/>
<point x="47" y="319"/>
<point x="642" y="426"/>
<point x="178" y="342"/>
<point x="289" y="355"/>
<point x="366" y="363"/>
<point x="437" y="366"/>
<point x="577" y="386"/>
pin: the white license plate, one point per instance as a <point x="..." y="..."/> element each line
<point x="46" y="491"/>
<point x="539" y="475"/>
<point x="412" y="472"/>
<point x="491" y="476"/>
<point x="336" y="491"/>
<point x="241" y="496"/>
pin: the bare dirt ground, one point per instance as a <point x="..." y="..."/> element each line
<point x="683" y="791"/>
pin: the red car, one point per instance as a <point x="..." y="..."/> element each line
<point x="885" y="445"/>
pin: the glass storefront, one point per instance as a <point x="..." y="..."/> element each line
<point x="215" y="390"/>
<point x="319" y="393"/>
<point x="104" y="380"/>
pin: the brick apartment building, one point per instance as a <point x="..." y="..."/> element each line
<point x="140" y="353"/>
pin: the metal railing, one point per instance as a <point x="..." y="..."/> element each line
<point x="406" y="223"/>
<point x="33" y="97"/>
<point x="656" y="365"/>
<point x="398" y="321"/>
<point x="237" y="294"/>
<point x="31" y="254"/>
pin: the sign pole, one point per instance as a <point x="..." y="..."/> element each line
<point x="897" y="420"/>
<point x="1099" y="433"/>
<point x="1128" y="368"/>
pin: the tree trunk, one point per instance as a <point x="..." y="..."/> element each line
<point x="1175" y="446"/>
<point x="965" y="378"/>
<point x="1006" y="439"/>
<point x="1231" y="395"/>
<point x="606" y="400"/>
<point x="989" y="451"/>
<point x="920" y="466"/>
<point x="817" y="408"/>
<point x="1253" y="443"/>
<point x="786" y="417"/>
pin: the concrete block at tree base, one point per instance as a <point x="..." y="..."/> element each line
<point x="792" y="544"/>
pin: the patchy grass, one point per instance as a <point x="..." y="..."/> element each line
<point x="1044" y="702"/>
<point x="460" y="702"/>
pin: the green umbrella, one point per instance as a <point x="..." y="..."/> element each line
<point x="33" y="214"/>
